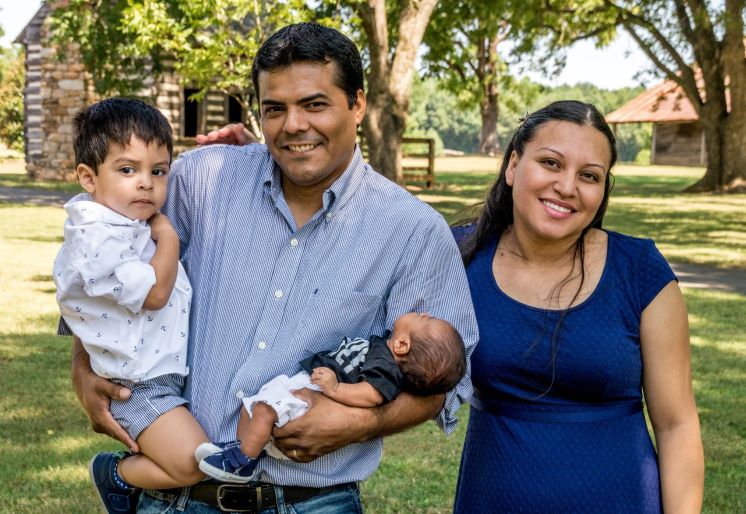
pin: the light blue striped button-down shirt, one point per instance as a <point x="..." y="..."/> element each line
<point x="267" y="295"/>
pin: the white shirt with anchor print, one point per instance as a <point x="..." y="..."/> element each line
<point x="103" y="276"/>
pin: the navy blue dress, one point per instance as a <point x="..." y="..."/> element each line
<point x="576" y="442"/>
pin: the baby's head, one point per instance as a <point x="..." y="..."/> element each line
<point x="430" y="353"/>
<point x="122" y="155"/>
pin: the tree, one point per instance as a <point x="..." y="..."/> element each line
<point x="11" y="97"/>
<point x="462" y="49"/>
<point x="394" y="35"/>
<point x="126" y="44"/>
<point x="700" y="46"/>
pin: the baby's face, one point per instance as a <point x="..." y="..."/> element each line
<point x="133" y="179"/>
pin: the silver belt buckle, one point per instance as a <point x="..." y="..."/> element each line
<point x="224" y="491"/>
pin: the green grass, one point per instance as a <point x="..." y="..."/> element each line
<point x="45" y="440"/>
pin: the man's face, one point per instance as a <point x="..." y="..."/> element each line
<point x="308" y="126"/>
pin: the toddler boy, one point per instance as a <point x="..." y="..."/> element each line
<point x="123" y="292"/>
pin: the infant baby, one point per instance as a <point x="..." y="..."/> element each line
<point x="423" y="355"/>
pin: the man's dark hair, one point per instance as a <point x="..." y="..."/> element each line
<point x="116" y="120"/>
<point x="436" y="361"/>
<point x="311" y="42"/>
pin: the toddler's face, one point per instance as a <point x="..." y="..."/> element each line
<point x="132" y="180"/>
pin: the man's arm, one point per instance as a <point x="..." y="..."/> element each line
<point x="329" y="425"/>
<point x="95" y="393"/>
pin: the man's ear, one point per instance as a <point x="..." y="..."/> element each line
<point x="87" y="177"/>
<point x="359" y="106"/>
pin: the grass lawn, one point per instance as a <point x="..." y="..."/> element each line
<point x="45" y="440"/>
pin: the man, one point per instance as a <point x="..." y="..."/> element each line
<point x="290" y="247"/>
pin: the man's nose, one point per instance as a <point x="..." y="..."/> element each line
<point x="295" y="121"/>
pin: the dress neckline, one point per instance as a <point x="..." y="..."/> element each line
<point x="490" y="255"/>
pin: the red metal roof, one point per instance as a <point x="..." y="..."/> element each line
<point x="661" y="103"/>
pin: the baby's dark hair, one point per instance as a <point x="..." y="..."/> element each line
<point x="436" y="361"/>
<point x="116" y="120"/>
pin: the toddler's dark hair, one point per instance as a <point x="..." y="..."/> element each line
<point x="436" y="361"/>
<point x="116" y="120"/>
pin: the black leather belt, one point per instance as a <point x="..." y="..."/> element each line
<point x="250" y="497"/>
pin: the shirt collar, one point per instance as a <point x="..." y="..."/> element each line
<point x="81" y="209"/>
<point x="336" y="195"/>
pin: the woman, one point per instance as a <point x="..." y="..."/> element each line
<point x="575" y="323"/>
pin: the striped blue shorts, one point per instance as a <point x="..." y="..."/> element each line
<point x="150" y="399"/>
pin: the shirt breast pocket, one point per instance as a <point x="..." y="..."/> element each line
<point x="331" y="316"/>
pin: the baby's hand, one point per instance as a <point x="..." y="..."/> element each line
<point x="160" y="224"/>
<point x="325" y="379"/>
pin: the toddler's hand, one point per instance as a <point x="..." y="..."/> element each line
<point x="325" y="379"/>
<point x="159" y="225"/>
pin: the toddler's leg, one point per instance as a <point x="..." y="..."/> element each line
<point x="254" y="431"/>
<point x="167" y="458"/>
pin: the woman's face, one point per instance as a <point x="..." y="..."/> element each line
<point x="558" y="182"/>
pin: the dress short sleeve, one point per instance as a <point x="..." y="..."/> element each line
<point x="653" y="273"/>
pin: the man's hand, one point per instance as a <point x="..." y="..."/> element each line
<point x="159" y="224"/>
<point x="324" y="428"/>
<point x="325" y="378"/>
<point x="234" y="134"/>
<point x="95" y="394"/>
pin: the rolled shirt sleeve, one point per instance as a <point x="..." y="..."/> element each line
<point x="433" y="280"/>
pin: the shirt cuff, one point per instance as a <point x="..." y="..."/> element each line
<point x="137" y="279"/>
<point x="446" y="418"/>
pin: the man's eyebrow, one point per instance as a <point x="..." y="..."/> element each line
<point x="305" y="99"/>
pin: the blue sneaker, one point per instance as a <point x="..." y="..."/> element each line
<point x="206" y="449"/>
<point x="114" y="498"/>
<point x="230" y="465"/>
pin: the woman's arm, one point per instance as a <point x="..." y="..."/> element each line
<point x="667" y="383"/>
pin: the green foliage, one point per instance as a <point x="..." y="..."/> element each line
<point x="12" y="78"/>
<point x="211" y="45"/>
<point x="433" y="109"/>
<point x="434" y="106"/>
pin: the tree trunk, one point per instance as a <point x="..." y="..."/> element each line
<point x="489" y="110"/>
<point x="383" y="133"/>
<point x="488" y="107"/>
<point x="390" y="79"/>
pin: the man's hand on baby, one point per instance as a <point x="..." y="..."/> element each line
<point x="325" y="378"/>
<point x="326" y="427"/>
<point x="234" y="134"/>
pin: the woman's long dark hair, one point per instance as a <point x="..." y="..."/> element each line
<point x="496" y="214"/>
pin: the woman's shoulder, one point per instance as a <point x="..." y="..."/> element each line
<point x="631" y="246"/>
<point x="463" y="231"/>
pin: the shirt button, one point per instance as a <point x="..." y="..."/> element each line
<point x="239" y="394"/>
<point x="262" y="345"/>
<point x="293" y="242"/>
<point x="278" y="294"/>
